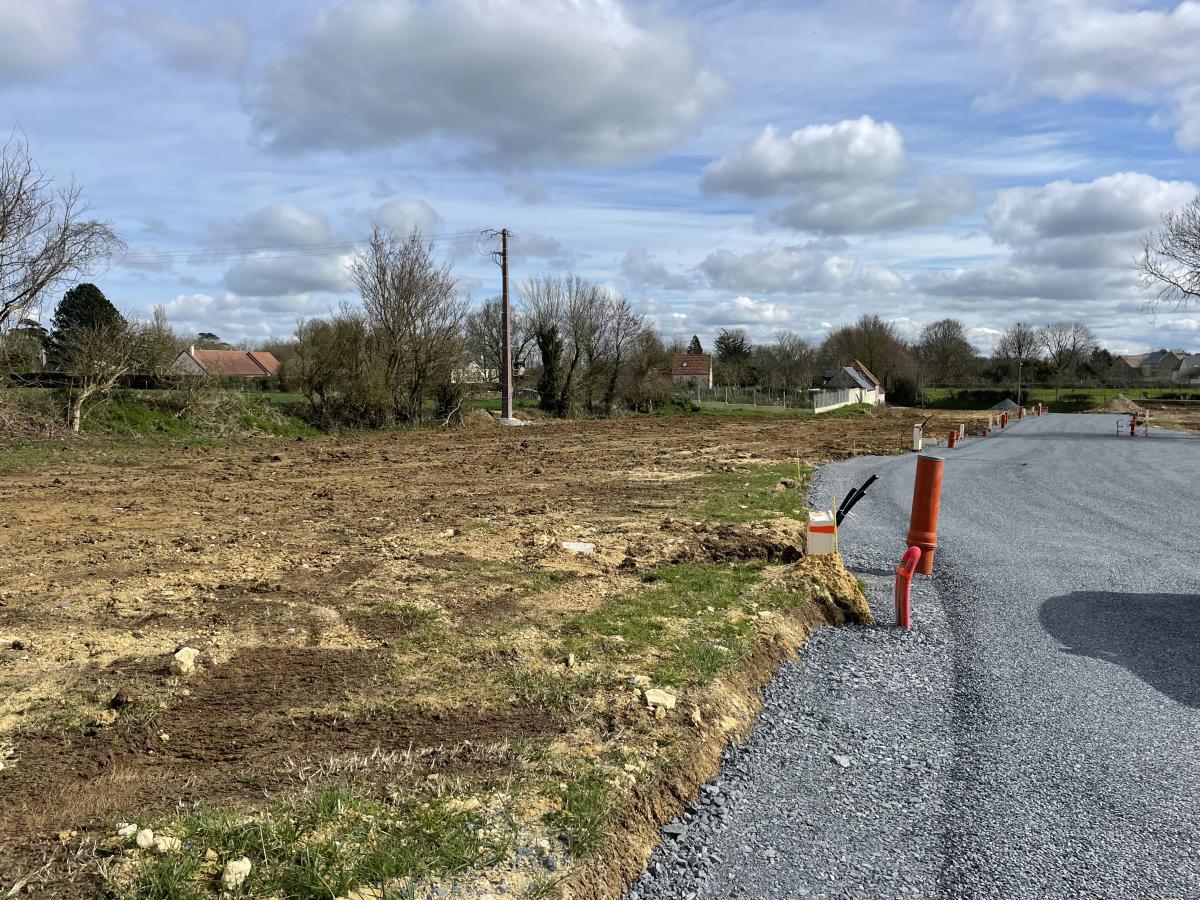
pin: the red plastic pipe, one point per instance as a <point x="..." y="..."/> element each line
<point x="927" y="500"/>
<point x="952" y="440"/>
<point x="904" y="575"/>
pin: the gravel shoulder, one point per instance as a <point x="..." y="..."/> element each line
<point x="1036" y="735"/>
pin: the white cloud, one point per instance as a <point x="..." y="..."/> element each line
<point x="275" y="275"/>
<point x="519" y="81"/>
<point x="1073" y="49"/>
<point x="1067" y="240"/>
<point x="641" y="269"/>
<point x="528" y="245"/>
<point x="871" y="209"/>
<point x="1115" y="204"/>
<point x="219" y="47"/>
<point x="794" y="270"/>
<point x="232" y="316"/>
<point x="279" y="224"/>
<point x="402" y="216"/>
<point x="41" y="37"/>
<point x="743" y="312"/>
<point x="847" y="178"/>
<point x="849" y="153"/>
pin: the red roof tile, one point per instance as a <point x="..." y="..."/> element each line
<point x="691" y="364"/>
<point x="236" y="362"/>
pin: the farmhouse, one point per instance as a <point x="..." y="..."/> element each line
<point x="1164" y="366"/>
<point x="693" y="369"/>
<point x="226" y="363"/>
<point x="474" y="373"/>
<point x="857" y="379"/>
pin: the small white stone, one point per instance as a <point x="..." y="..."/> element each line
<point x="126" y="830"/>
<point x="184" y="661"/>
<point x="236" y="871"/>
<point x="144" y="839"/>
<point x="164" y="843"/>
<point x="659" y="697"/>
<point x="579" y="548"/>
<point x="843" y="761"/>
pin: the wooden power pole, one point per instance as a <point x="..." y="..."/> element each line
<point x="506" y="380"/>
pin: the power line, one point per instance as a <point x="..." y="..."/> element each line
<point x="200" y="255"/>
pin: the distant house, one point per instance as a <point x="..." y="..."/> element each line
<point x="692" y="368"/>
<point x="226" y="363"/>
<point x="474" y="373"/>
<point x="1160" y="367"/>
<point x="862" y="384"/>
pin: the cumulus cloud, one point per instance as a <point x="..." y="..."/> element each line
<point x="528" y="245"/>
<point x="742" y="311"/>
<point x="402" y="216"/>
<point x="1073" y="49"/>
<point x="641" y="269"/>
<point x="40" y="37"/>
<point x="289" y="250"/>
<point x="848" y="153"/>
<point x="794" y="270"/>
<point x="278" y="224"/>
<point x="847" y="178"/>
<point x="278" y="275"/>
<point x="234" y="316"/>
<point x="518" y="81"/>
<point x="1067" y="240"/>
<point x="220" y="47"/>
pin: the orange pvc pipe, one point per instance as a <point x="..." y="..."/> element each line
<point x="927" y="500"/>
<point x="952" y="440"/>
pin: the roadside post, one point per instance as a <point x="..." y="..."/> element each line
<point x="927" y="500"/>
<point x="904" y="574"/>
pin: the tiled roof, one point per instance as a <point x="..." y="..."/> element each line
<point x="236" y="362"/>
<point x="691" y="364"/>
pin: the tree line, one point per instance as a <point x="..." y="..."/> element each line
<point x="395" y="355"/>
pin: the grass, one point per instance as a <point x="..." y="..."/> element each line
<point x="321" y="845"/>
<point x="751" y="494"/>
<point x="681" y="612"/>
<point x="586" y="802"/>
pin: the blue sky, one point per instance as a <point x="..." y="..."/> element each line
<point x="758" y="164"/>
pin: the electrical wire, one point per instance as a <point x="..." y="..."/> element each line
<point x="202" y="255"/>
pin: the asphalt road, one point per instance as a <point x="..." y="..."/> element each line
<point x="1036" y="735"/>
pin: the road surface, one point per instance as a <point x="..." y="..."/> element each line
<point x="1036" y="735"/>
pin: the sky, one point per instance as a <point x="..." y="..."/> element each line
<point x="723" y="163"/>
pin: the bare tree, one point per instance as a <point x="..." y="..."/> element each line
<point x="1019" y="345"/>
<point x="1067" y="344"/>
<point x="415" y="313"/>
<point x="485" y="334"/>
<point x="945" y="355"/>
<point x="160" y="346"/>
<point x="45" y="237"/>
<point x="98" y="356"/>
<point x="623" y="328"/>
<point x="1170" y="260"/>
<point x="875" y="343"/>
<point x="794" y="360"/>
<point x="566" y="316"/>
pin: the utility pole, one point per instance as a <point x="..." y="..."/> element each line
<point x="506" y="362"/>
<point x="506" y="381"/>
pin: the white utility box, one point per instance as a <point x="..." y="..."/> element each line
<point x="822" y="532"/>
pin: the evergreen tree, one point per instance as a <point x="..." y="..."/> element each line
<point x="694" y="347"/>
<point x="82" y="307"/>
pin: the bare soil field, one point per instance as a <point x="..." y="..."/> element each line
<point x="404" y="680"/>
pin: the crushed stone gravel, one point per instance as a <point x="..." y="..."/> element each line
<point x="1036" y="735"/>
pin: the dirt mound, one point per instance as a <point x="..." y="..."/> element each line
<point x="1121" y="404"/>
<point x="1005" y="405"/>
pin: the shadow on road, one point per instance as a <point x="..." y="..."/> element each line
<point x="1154" y="636"/>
